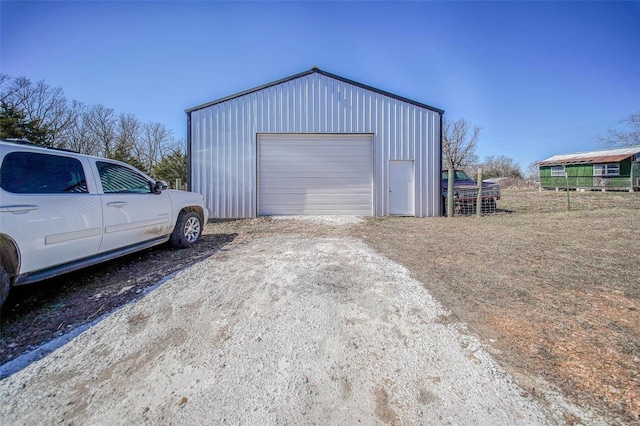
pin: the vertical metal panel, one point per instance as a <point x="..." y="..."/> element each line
<point x="223" y="139"/>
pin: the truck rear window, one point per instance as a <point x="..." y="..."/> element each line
<point x="33" y="173"/>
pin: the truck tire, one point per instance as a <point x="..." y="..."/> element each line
<point x="187" y="231"/>
<point x="5" y="285"/>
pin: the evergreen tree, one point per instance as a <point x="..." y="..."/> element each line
<point x="122" y="152"/>
<point x="13" y="124"/>
<point x="172" y="167"/>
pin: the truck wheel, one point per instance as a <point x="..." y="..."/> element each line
<point x="5" y="285"/>
<point x="187" y="231"/>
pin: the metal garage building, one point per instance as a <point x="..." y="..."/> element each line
<point x="315" y="143"/>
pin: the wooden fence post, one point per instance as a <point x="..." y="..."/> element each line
<point x="566" y="175"/>
<point x="450" y="193"/>
<point x="479" y="199"/>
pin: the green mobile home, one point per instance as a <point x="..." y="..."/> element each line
<point x="612" y="169"/>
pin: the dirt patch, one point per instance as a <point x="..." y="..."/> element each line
<point x="35" y="314"/>
<point x="383" y="410"/>
<point x="324" y="220"/>
<point x="284" y="330"/>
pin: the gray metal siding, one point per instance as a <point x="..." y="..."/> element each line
<point x="224" y="139"/>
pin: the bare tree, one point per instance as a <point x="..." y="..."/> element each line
<point x="101" y="123"/>
<point x="533" y="171"/>
<point x="80" y="136"/>
<point x="128" y="129"/>
<point x="156" y="141"/>
<point x="39" y="103"/>
<point x="620" y="138"/>
<point x="5" y="87"/>
<point x="500" y="166"/>
<point x="459" y="142"/>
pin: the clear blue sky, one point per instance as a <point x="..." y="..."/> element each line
<point x="540" y="78"/>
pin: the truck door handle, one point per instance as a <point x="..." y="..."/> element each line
<point x="23" y="208"/>
<point x="118" y="204"/>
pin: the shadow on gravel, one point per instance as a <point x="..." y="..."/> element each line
<point x="37" y="313"/>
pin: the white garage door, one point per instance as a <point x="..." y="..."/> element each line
<point x="315" y="174"/>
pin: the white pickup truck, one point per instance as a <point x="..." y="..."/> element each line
<point x="61" y="211"/>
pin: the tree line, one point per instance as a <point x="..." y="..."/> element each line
<point x="43" y="115"/>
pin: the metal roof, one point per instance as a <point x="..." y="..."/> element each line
<point x="311" y="71"/>
<point x="593" y="157"/>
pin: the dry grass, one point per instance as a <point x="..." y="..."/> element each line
<point x="556" y="291"/>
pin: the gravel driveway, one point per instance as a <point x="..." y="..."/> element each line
<point x="281" y="330"/>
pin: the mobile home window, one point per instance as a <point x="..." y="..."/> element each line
<point x="606" y="169"/>
<point x="557" y="171"/>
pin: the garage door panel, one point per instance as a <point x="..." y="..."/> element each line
<point x="323" y="148"/>
<point x="320" y="198"/>
<point x="312" y="181"/>
<point x="343" y="157"/>
<point x="356" y="170"/>
<point x="354" y="191"/>
<point x="301" y="150"/>
<point x="324" y="141"/>
<point x="315" y="174"/>
<point x="310" y="210"/>
<point x="343" y="160"/>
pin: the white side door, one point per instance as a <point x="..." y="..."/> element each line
<point x="132" y="212"/>
<point x="49" y="209"/>
<point x="401" y="188"/>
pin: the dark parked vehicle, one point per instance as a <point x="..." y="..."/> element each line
<point x="465" y="193"/>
